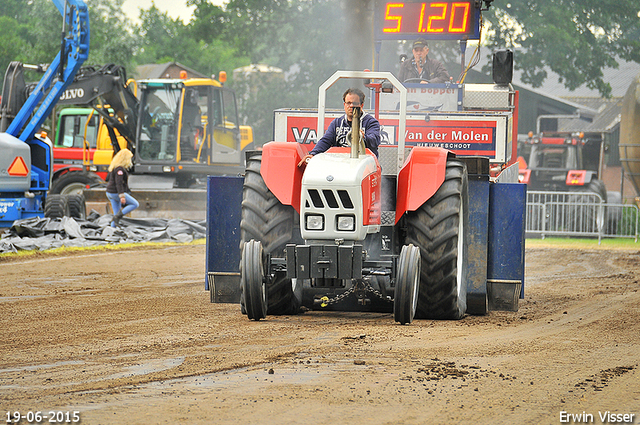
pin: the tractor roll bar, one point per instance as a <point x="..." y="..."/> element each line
<point x="367" y="75"/>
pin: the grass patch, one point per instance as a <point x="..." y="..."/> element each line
<point x="11" y="256"/>
<point x="583" y="243"/>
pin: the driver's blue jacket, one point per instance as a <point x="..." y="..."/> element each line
<point x="336" y="134"/>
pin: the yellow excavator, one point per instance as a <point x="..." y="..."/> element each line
<point x="179" y="130"/>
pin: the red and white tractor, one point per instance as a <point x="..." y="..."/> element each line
<point x="431" y="228"/>
<point x="338" y="234"/>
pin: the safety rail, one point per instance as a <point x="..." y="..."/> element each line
<point x="580" y="214"/>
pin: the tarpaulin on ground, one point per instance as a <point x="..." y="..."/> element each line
<point x="48" y="233"/>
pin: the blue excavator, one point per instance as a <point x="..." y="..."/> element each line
<point x="26" y="159"/>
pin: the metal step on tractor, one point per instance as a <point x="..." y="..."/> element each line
<point x="417" y="239"/>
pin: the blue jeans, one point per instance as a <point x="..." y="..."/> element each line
<point x="130" y="205"/>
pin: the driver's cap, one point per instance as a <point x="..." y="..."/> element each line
<point x="421" y="42"/>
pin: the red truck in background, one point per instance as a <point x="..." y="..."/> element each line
<point x="556" y="163"/>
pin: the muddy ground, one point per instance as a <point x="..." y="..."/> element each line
<point x="131" y="337"/>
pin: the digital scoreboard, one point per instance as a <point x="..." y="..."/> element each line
<point x="432" y="20"/>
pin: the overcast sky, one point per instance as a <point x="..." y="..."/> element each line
<point x="175" y="8"/>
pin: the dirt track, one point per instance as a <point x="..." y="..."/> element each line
<point x="130" y="337"/>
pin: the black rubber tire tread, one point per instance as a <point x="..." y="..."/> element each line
<point x="252" y="281"/>
<point x="266" y="219"/>
<point x="435" y="228"/>
<point x="587" y="218"/>
<point x="597" y="186"/>
<point x="56" y="206"/>
<point x="75" y="178"/>
<point x="613" y="212"/>
<point x="77" y="206"/>
<point x="281" y="289"/>
<point x="405" y="296"/>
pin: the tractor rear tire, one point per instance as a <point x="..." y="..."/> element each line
<point x="597" y="186"/>
<point x="587" y="216"/>
<point x="266" y="219"/>
<point x="440" y="227"/>
<point x="407" y="281"/>
<point x="56" y="206"/>
<point x="252" y="280"/>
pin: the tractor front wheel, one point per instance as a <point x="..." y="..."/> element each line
<point x="254" y="289"/>
<point x="406" y="293"/>
<point x="73" y="182"/>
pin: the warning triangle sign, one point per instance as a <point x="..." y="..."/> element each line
<point x="18" y="168"/>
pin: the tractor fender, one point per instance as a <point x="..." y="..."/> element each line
<point x="421" y="175"/>
<point x="590" y="176"/>
<point x="281" y="173"/>
<point x="64" y="170"/>
<point x="524" y="176"/>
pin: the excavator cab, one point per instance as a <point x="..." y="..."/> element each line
<point x="192" y="126"/>
<point x="158" y="123"/>
<point x="192" y="121"/>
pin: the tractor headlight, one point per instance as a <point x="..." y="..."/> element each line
<point x="346" y="223"/>
<point x="314" y="222"/>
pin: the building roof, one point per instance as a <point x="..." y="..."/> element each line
<point x="597" y="114"/>
<point x="586" y="109"/>
<point x="606" y="119"/>
<point x="618" y="78"/>
<point x="153" y="70"/>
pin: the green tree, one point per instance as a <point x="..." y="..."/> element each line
<point x="24" y="42"/>
<point x="42" y="41"/>
<point x="13" y="9"/>
<point x="12" y="42"/>
<point x="260" y="27"/>
<point x="209" y="21"/>
<point x="164" y="39"/>
<point x="304" y="38"/>
<point x="574" y="38"/>
<point x="112" y="38"/>
<point x="161" y="38"/>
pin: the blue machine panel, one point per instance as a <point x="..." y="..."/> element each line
<point x="224" y="211"/>
<point x="506" y="233"/>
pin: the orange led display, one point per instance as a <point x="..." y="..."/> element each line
<point x="440" y="19"/>
<point x="390" y="17"/>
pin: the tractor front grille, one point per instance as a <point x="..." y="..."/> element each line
<point x="333" y="199"/>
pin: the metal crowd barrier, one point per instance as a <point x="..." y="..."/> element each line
<point x="582" y="214"/>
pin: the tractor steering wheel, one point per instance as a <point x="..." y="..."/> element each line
<point x="416" y="80"/>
